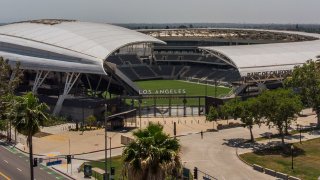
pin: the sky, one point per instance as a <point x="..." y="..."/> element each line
<point x="164" y="11"/>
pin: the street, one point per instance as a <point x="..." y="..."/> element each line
<point x="15" y="166"/>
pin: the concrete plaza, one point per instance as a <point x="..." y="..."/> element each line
<point x="215" y="154"/>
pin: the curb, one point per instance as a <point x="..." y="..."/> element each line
<point x="251" y="164"/>
<point x="65" y="174"/>
<point x="242" y="159"/>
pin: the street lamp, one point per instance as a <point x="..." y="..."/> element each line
<point x="110" y="155"/>
<point x="292" y="148"/>
<point x="105" y="139"/>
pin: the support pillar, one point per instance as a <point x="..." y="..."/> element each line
<point x="40" y="77"/>
<point x="70" y="81"/>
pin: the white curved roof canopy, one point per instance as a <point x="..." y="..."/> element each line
<point x="269" y="57"/>
<point x="81" y="46"/>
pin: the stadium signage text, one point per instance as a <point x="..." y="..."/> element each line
<point x="269" y="73"/>
<point x="162" y="91"/>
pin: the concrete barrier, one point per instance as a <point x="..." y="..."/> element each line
<point x="125" y="140"/>
<point x="258" y="168"/>
<point x="270" y="172"/>
<point x="293" y="178"/>
<point x="282" y="175"/>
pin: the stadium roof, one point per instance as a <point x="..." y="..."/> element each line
<point x="268" y="57"/>
<point x="89" y="44"/>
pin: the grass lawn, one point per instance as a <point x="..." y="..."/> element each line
<point x="306" y="159"/>
<point x="192" y="89"/>
<point x="116" y="162"/>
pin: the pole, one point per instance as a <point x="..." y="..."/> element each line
<point x="105" y="141"/>
<point x="300" y="133"/>
<point x="69" y="154"/>
<point x="31" y="156"/>
<point x="215" y="88"/>
<point x="206" y="88"/>
<point x="291" y="157"/>
<point x="110" y="155"/>
<point x="140" y="111"/>
<point x="174" y="129"/>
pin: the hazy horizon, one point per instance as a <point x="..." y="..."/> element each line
<point x="165" y="11"/>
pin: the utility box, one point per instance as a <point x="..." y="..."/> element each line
<point x="87" y="170"/>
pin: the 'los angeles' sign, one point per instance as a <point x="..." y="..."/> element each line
<point x="162" y="91"/>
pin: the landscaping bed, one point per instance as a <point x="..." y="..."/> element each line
<point x="306" y="161"/>
<point x="116" y="162"/>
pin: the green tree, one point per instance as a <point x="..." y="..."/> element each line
<point x="91" y="120"/>
<point x="231" y="108"/>
<point x="212" y="115"/>
<point x="9" y="80"/>
<point x="30" y="116"/>
<point x="250" y="114"/>
<point x="306" y="79"/>
<point x="152" y="155"/>
<point x="280" y="108"/>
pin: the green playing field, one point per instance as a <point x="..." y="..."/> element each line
<point x="176" y="86"/>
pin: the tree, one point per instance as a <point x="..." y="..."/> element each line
<point x="30" y="116"/>
<point x="231" y="108"/>
<point x="91" y="120"/>
<point x="213" y="115"/>
<point x="306" y="80"/>
<point x="9" y="80"/>
<point x="152" y="155"/>
<point x="250" y="114"/>
<point x="280" y="108"/>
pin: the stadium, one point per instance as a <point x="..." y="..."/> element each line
<point x="75" y="66"/>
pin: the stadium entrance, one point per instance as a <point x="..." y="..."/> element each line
<point x="155" y="105"/>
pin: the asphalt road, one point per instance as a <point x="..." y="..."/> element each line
<point x="15" y="166"/>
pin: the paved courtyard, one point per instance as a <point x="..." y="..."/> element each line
<point x="215" y="154"/>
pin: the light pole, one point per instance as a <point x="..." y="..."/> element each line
<point x="292" y="148"/>
<point x="215" y="88"/>
<point x="105" y="140"/>
<point x="110" y="156"/>
<point x="140" y="111"/>
<point x="206" y="88"/>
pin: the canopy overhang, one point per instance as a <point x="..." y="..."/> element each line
<point x="267" y="58"/>
<point x="89" y="44"/>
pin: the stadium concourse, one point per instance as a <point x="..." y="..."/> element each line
<point x="71" y="64"/>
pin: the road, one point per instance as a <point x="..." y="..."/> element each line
<point x="215" y="154"/>
<point x="15" y="166"/>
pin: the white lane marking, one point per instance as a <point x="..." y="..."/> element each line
<point x="19" y="169"/>
<point x="5" y="161"/>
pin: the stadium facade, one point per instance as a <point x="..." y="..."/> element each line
<point x="70" y="47"/>
<point x="67" y="55"/>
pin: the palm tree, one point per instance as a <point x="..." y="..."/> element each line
<point x="153" y="155"/>
<point x="30" y="116"/>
